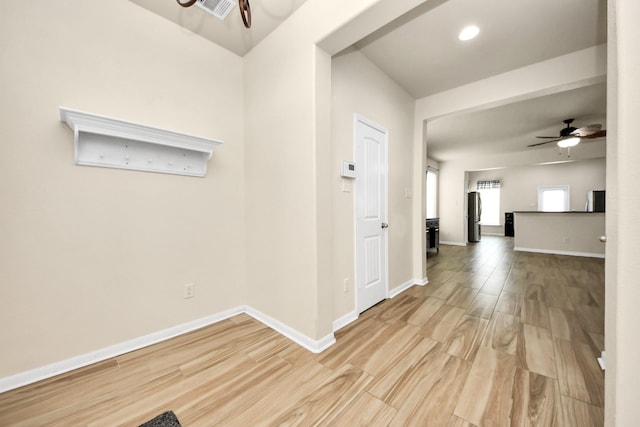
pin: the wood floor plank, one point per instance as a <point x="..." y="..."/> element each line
<point x="536" y="401"/>
<point x="493" y="285"/>
<point x="439" y="383"/>
<point x="502" y="333"/>
<point x="483" y="401"/>
<point x="425" y="311"/>
<point x="385" y="350"/>
<point x="591" y="317"/>
<point x="282" y="396"/>
<point x="394" y="385"/>
<point x="445" y="291"/>
<point x="459" y="422"/>
<point x="581" y="414"/>
<point x="399" y="310"/>
<point x="329" y="398"/>
<point x="579" y="374"/>
<point x="566" y="325"/>
<point x="462" y="297"/>
<point x="509" y="303"/>
<point x="579" y="296"/>
<point x="558" y="297"/>
<point x="535" y="351"/>
<point x="466" y="337"/>
<point x="482" y="306"/>
<point x="365" y="411"/>
<point x="356" y="342"/>
<point x="535" y="292"/>
<point x="535" y="313"/>
<point x="442" y="323"/>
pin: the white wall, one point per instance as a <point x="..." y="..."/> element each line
<point x="91" y="257"/>
<point x="622" y="317"/>
<point x="519" y="185"/>
<point x="359" y="87"/>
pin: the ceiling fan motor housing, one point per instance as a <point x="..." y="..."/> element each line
<point x="567" y="131"/>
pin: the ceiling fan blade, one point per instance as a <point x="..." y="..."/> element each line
<point x="598" y="134"/>
<point x="544" y="142"/>
<point x="587" y="130"/>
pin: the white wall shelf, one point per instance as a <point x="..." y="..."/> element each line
<point x="107" y="142"/>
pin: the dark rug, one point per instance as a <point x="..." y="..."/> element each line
<point x="168" y="419"/>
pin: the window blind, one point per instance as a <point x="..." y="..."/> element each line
<point x="488" y="184"/>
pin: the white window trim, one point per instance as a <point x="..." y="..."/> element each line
<point x="567" y="195"/>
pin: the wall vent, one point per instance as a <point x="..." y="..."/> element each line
<point x="218" y="8"/>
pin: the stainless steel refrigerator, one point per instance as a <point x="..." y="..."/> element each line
<point x="474" y="204"/>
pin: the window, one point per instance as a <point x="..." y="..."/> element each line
<point x="432" y="193"/>
<point x="553" y="198"/>
<point x="490" y="196"/>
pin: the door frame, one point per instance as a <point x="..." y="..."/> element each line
<point x="357" y="118"/>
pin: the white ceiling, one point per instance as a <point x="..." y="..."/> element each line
<point x="425" y="56"/>
<point x="510" y="128"/>
<point x="421" y="52"/>
<point x="230" y="33"/>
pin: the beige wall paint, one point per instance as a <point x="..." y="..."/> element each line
<point x="563" y="233"/>
<point x="287" y="79"/>
<point x="622" y="382"/>
<point x="91" y="257"/>
<point x="519" y="186"/>
<point x="359" y="87"/>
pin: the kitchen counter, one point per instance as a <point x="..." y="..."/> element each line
<point x="562" y="212"/>
<point x="565" y="233"/>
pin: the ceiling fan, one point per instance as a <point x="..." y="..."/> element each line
<point x="221" y="8"/>
<point x="570" y="136"/>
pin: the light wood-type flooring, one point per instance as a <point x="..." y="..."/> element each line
<point x="497" y="338"/>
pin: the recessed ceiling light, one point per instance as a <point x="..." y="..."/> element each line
<point x="469" y="32"/>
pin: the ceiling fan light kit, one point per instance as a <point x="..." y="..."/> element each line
<point x="569" y="142"/>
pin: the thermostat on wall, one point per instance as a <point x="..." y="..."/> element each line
<point x="348" y="169"/>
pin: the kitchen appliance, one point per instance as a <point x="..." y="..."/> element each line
<point x="509" y="229"/>
<point x="433" y="233"/>
<point x="474" y="205"/>
<point x="595" y="201"/>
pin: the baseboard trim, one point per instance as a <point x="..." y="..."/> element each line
<point x="400" y="289"/>
<point x="314" y="346"/>
<point x="422" y="282"/>
<point x="442" y="242"/>
<point x="63" y="366"/>
<point x="343" y="321"/>
<point x="557" y="252"/>
<point x="57" y="368"/>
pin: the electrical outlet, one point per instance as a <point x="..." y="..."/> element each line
<point x="346" y="285"/>
<point x="189" y="290"/>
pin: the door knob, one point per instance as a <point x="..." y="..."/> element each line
<point x="603" y="238"/>
<point x="384" y="225"/>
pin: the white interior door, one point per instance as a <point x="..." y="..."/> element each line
<point x="371" y="213"/>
